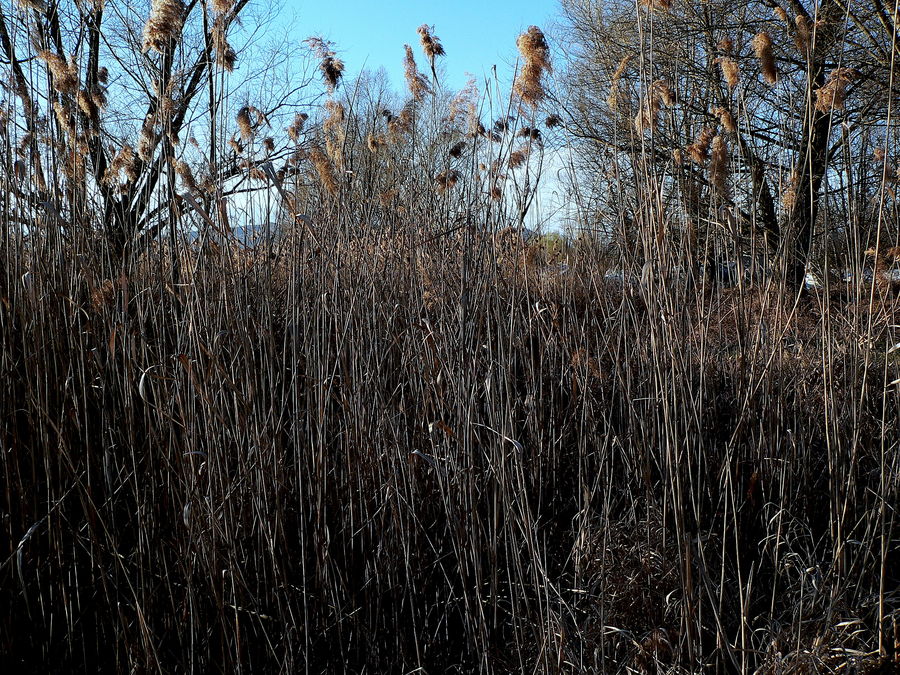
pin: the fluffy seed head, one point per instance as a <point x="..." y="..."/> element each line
<point x="331" y="67"/>
<point x="536" y="56"/>
<point x="762" y="47"/>
<point x="244" y="123"/>
<point x="657" y="5"/>
<point x="417" y="84"/>
<point x="63" y="73"/>
<point x="699" y="149"/>
<point x="726" y="119"/>
<point x="446" y="180"/>
<point x="323" y="167"/>
<point x="730" y="70"/>
<point x="296" y="128"/>
<point x="165" y="24"/>
<point x="225" y="55"/>
<point x="832" y="94"/>
<point x="612" y="99"/>
<point x="718" y="165"/>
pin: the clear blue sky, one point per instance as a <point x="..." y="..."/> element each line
<point x="476" y="33"/>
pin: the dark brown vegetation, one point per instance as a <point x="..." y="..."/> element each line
<point x="401" y="436"/>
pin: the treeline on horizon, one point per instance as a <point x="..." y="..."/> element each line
<point x="406" y="433"/>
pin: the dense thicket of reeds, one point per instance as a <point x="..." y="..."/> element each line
<point x="402" y="438"/>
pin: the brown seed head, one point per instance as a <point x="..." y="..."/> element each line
<point x="833" y="93"/>
<point x="657" y="5"/>
<point x="718" y="165"/>
<point x="730" y="70"/>
<point x="536" y="56"/>
<point x="802" y="34"/>
<point x="726" y="119"/>
<point x="225" y="55"/>
<point x="762" y="47"/>
<point x="296" y="128"/>
<point x="323" y="167"/>
<point x="418" y="85"/>
<point x="164" y="25"/>
<point x="699" y="149"/>
<point x="64" y="74"/>
<point x="244" y="123"/>
<point x="331" y="67"/>
<point x="446" y="180"/>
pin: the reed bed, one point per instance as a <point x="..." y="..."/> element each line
<point x="404" y="437"/>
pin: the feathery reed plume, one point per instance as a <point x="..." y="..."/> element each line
<point x="663" y="90"/>
<point x="335" y="132"/>
<point x="657" y="5"/>
<point x="186" y="175"/>
<point x="699" y="149"/>
<point x="124" y="160"/>
<point x="98" y="96"/>
<point x="164" y="25"/>
<point x="496" y="193"/>
<point x="417" y="84"/>
<point x="612" y="99"/>
<point x="648" y="113"/>
<point x="659" y="94"/>
<point x="789" y="196"/>
<point x="22" y="90"/>
<point x="331" y="67"/>
<point x="762" y="47"/>
<point x="501" y="125"/>
<point x="476" y="129"/>
<point x="374" y="142"/>
<point x="88" y="107"/>
<point x="518" y="157"/>
<point x="446" y="180"/>
<point x="553" y="121"/>
<point x="147" y="142"/>
<point x="718" y="165"/>
<point x="236" y="145"/>
<point x="802" y="34"/>
<point x="536" y="54"/>
<point x="244" y="123"/>
<point x="726" y="44"/>
<point x="531" y="133"/>
<point x="296" y="127"/>
<point x="269" y="144"/>
<point x="833" y="93"/>
<point x="402" y="123"/>
<point x="323" y="167"/>
<point x="678" y="156"/>
<point x="431" y="45"/>
<point x="225" y="55"/>
<point x="34" y="5"/>
<point x="65" y="118"/>
<point x="726" y="119"/>
<point x="782" y="14"/>
<point x="464" y="104"/>
<point x="457" y="149"/>
<point x="64" y="74"/>
<point x="730" y="70"/>
<point x="222" y="6"/>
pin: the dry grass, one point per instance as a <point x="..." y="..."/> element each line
<point x="403" y="435"/>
